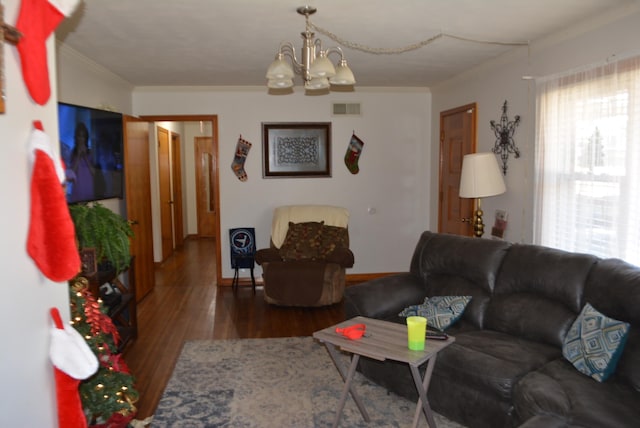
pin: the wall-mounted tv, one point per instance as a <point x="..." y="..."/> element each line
<point x="92" y="149"/>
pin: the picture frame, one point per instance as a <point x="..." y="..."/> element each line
<point x="298" y="149"/>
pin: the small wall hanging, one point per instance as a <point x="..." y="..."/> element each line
<point x="242" y="151"/>
<point x="504" y="137"/>
<point x="354" y="150"/>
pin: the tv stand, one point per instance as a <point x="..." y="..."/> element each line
<point x="123" y="311"/>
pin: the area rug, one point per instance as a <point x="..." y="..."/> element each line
<point x="283" y="382"/>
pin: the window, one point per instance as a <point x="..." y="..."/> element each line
<point x="587" y="195"/>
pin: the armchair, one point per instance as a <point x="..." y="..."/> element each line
<point x="308" y="255"/>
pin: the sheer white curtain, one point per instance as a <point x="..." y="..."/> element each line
<point x="587" y="191"/>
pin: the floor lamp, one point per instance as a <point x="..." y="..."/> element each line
<point x="480" y="178"/>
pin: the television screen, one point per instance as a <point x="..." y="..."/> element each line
<point x="92" y="150"/>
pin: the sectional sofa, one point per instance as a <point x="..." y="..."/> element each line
<point x="547" y="339"/>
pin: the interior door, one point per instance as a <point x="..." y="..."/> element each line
<point x="205" y="186"/>
<point x="138" y="200"/>
<point x="176" y="174"/>
<point x="166" y="201"/>
<point x="457" y="138"/>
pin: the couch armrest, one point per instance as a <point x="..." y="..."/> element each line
<point x="267" y="255"/>
<point x="383" y="298"/>
<point x="342" y="256"/>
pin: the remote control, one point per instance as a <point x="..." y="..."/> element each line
<point x="437" y="335"/>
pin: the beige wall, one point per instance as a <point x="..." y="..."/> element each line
<point x="393" y="180"/>
<point x="611" y="35"/>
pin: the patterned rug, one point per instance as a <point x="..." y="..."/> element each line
<point x="284" y="382"/>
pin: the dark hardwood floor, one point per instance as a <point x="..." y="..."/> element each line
<point x="186" y="305"/>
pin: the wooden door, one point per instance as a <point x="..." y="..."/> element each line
<point x="176" y="173"/>
<point x="138" y="200"/>
<point x="205" y="186"/>
<point x="164" y="185"/>
<point x="457" y="138"/>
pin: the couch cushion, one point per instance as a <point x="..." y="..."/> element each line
<point x="594" y="343"/>
<point x="613" y="288"/>
<point x="538" y="293"/>
<point x="302" y="241"/>
<point x="491" y="362"/>
<point x="440" y="311"/>
<point x="558" y="389"/>
<point x="451" y="265"/>
<point x="300" y="283"/>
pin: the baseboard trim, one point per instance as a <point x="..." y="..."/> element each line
<point x="352" y="279"/>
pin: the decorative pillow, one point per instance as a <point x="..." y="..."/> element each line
<point x="594" y="343"/>
<point x="302" y="241"/>
<point x="332" y="237"/>
<point x="440" y="311"/>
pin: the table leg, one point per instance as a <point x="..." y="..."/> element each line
<point x="347" y="377"/>
<point x="423" y="387"/>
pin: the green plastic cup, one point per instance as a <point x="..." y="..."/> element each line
<point x="416" y="330"/>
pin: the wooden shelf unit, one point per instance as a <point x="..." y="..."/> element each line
<point x="123" y="314"/>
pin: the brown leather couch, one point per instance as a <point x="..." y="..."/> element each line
<point x="506" y="367"/>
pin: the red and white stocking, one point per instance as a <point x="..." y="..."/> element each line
<point x="73" y="361"/>
<point x="51" y="242"/>
<point x="36" y="21"/>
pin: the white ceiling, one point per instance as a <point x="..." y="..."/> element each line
<point x="231" y="42"/>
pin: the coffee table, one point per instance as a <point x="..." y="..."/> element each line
<point x="383" y="340"/>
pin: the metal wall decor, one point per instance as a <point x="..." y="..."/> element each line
<point x="504" y="131"/>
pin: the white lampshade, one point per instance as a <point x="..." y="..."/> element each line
<point x="280" y="69"/>
<point x="481" y="176"/>
<point x="322" y="67"/>
<point x="344" y="75"/>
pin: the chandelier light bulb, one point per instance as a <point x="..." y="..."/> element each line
<point x="322" y="67"/>
<point x="317" y="84"/>
<point x="344" y="75"/>
<point x="280" y="69"/>
<point x="280" y="83"/>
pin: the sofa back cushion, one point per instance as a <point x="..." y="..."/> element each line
<point x="613" y="288"/>
<point x="539" y="293"/>
<point x="451" y="265"/>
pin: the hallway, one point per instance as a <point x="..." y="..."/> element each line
<point x="186" y="305"/>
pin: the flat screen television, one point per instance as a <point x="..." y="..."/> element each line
<point x="91" y="146"/>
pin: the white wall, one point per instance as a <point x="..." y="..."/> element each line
<point x="489" y="85"/>
<point x="27" y="397"/>
<point x="395" y="126"/>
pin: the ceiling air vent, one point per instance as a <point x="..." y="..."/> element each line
<point x="342" y="109"/>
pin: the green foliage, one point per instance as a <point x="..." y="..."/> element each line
<point x="111" y="390"/>
<point x="100" y="228"/>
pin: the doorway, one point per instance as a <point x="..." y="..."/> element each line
<point x="205" y="186"/>
<point x="165" y="172"/>
<point x="457" y="138"/>
<point x="210" y="122"/>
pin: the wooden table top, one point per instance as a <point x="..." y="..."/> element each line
<point x="382" y="340"/>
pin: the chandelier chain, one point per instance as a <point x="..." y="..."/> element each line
<point x="408" y="48"/>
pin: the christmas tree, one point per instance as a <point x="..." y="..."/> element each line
<point x="108" y="397"/>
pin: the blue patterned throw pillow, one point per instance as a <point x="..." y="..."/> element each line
<point x="440" y="311"/>
<point x="594" y="343"/>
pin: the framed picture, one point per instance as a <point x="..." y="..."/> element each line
<point x="296" y="149"/>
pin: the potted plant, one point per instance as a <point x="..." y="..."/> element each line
<point x="108" y="233"/>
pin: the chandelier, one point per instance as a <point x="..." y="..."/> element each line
<point x="317" y="71"/>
